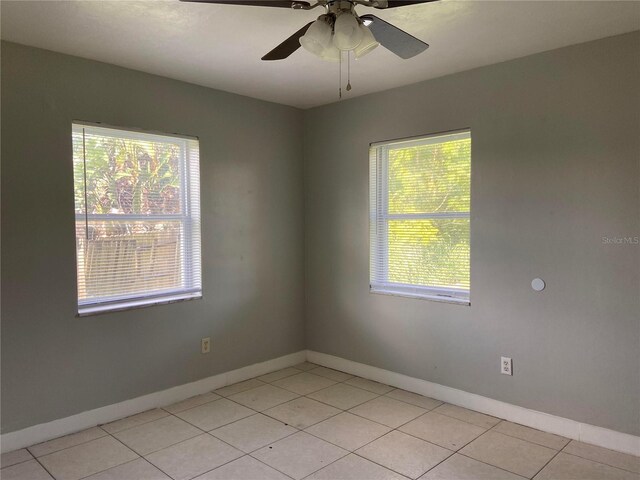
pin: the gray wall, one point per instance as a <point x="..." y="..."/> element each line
<point x="555" y="167"/>
<point x="556" y="152"/>
<point x="54" y="364"/>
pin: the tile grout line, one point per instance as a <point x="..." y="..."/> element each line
<point x="170" y="446"/>
<point x="140" y="457"/>
<point x="42" y="465"/>
<point x="330" y="386"/>
<point x="428" y="410"/>
<point x="465" y="421"/>
<point x="297" y="430"/>
<point x="327" y="441"/>
<point x="345" y="456"/>
<point x="354" y="452"/>
<point x="402" y="474"/>
<point x="230" y="461"/>
<point x="272" y="443"/>
<point x="325" y="403"/>
<point x="330" y="463"/>
<point x="222" y="464"/>
<point x="557" y="452"/>
<point x="459" y="451"/>
<point x="114" y="466"/>
<point x="530" y="441"/>
<point x="453" y="452"/>
<point x="378" y="438"/>
<point x="162" y="448"/>
<point x="106" y="434"/>
<point x="308" y="426"/>
<point x="547" y="463"/>
<point x="378" y="395"/>
<point x="432" y="409"/>
<point x="256" y="412"/>
<point x="601" y="463"/>
<point x="266" y="383"/>
<point x="204" y="432"/>
<point x="101" y="426"/>
<point x="388" y="426"/>
<point x="270" y="466"/>
<point x="219" y="426"/>
<point x="495" y="466"/>
<point x="244" y="454"/>
<point x="154" y="451"/>
<point x="500" y="420"/>
<point x="389" y="468"/>
<point x="274" y="468"/>
<point x="259" y="448"/>
<point x="534" y="443"/>
<point x="23" y="461"/>
<point x="490" y="465"/>
<point x="250" y="454"/>
<point x="310" y="371"/>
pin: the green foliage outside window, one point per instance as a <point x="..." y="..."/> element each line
<point x="126" y="176"/>
<point x="132" y="185"/>
<point x="429" y="179"/>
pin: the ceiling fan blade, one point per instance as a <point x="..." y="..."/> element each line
<point x="402" y="3"/>
<point x="258" y="3"/>
<point x="287" y="47"/>
<point x="392" y="38"/>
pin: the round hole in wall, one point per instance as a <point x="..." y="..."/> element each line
<point x="538" y="284"/>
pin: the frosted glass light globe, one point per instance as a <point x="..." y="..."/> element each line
<point x="347" y="32"/>
<point x="368" y="43"/>
<point x="318" y="37"/>
<point x="331" y="53"/>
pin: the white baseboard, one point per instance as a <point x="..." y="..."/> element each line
<point x="56" y="428"/>
<point x="584" y="432"/>
<point x="603" y="437"/>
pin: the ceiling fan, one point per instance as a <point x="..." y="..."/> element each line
<point x="340" y="29"/>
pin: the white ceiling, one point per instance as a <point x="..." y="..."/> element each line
<point x="220" y="46"/>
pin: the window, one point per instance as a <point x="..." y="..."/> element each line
<point x="419" y="217"/>
<point x="137" y="204"/>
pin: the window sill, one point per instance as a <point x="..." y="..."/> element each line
<point x="421" y="296"/>
<point x="89" y="310"/>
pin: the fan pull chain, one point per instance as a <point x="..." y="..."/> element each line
<point x="340" y="77"/>
<point x="348" y="71"/>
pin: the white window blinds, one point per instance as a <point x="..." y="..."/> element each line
<point x="137" y="204"/>
<point x="419" y="217"/>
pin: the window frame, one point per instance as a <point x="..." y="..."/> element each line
<point x="115" y="303"/>
<point x="379" y="218"/>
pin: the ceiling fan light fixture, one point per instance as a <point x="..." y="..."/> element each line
<point x="368" y="43"/>
<point x="347" y="31"/>
<point x="331" y="54"/>
<point x="318" y="36"/>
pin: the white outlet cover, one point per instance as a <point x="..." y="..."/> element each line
<point x="538" y="284"/>
<point x="506" y="366"/>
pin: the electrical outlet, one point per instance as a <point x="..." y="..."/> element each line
<point x="205" y="345"/>
<point x="506" y="366"/>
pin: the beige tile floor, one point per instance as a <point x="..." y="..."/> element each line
<point x="311" y="422"/>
